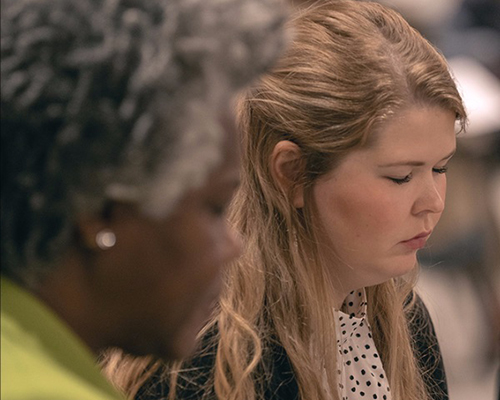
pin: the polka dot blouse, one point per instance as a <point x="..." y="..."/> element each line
<point x="361" y="372"/>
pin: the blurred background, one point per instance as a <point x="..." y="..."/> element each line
<point x="460" y="279"/>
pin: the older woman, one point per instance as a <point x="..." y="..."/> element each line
<point x="117" y="165"/>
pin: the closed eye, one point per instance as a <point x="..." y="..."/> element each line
<point x="441" y="170"/>
<point x="400" y="181"/>
<point x="218" y="208"/>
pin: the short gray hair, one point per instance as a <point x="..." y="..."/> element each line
<point x="106" y="99"/>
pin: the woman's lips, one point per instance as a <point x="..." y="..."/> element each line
<point x="417" y="242"/>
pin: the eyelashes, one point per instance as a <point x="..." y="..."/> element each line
<point x="441" y="170"/>
<point x="217" y="210"/>
<point x="400" y="181"/>
<point x="408" y="177"/>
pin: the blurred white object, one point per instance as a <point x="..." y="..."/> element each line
<point x="480" y="90"/>
<point x="425" y="13"/>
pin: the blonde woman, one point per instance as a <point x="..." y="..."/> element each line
<point x="345" y="148"/>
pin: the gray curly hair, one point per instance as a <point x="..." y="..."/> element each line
<point x="115" y="100"/>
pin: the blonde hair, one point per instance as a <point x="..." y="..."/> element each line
<point x="351" y="66"/>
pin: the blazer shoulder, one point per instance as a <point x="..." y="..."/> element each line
<point x="426" y="348"/>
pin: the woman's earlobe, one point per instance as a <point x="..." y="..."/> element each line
<point x="287" y="168"/>
<point x="94" y="234"/>
<point x="100" y="231"/>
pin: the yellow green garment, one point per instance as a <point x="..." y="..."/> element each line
<point x="41" y="358"/>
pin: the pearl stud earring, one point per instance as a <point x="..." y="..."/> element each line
<point x="105" y="239"/>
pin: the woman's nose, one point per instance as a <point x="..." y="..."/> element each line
<point x="431" y="198"/>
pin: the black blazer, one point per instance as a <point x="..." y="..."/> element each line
<point x="282" y="384"/>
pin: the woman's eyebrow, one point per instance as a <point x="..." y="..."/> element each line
<point x="415" y="163"/>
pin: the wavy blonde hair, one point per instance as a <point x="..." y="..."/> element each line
<point x="351" y="66"/>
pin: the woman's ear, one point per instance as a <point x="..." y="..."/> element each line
<point x="100" y="231"/>
<point x="287" y="168"/>
<point x="89" y="229"/>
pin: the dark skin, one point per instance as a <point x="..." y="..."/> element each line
<point x="151" y="292"/>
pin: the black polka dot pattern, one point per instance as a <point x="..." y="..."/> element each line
<point x="362" y="375"/>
